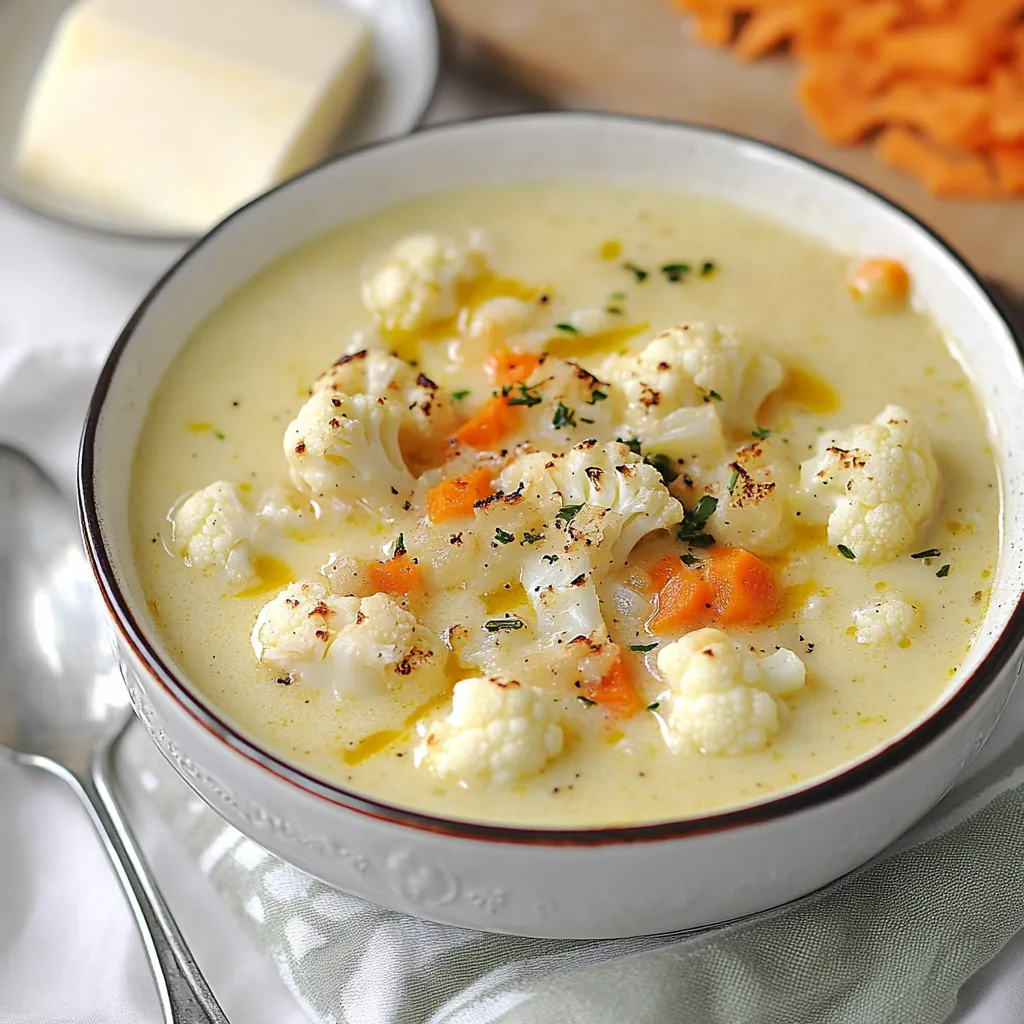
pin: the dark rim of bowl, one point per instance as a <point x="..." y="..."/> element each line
<point x="837" y="785"/>
<point x="50" y="215"/>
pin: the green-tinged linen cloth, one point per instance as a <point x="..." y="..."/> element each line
<point x="893" y="941"/>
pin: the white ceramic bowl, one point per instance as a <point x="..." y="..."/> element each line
<point x="609" y="881"/>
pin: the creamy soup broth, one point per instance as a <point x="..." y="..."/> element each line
<point x="224" y="403"/>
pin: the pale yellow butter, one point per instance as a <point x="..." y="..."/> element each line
<point x="175" y="112"/>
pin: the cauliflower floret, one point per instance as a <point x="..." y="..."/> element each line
<point x="889" y="620"/>
<point x="686" y="368"/>
<point x="721" y="699"/>
<point x="879" y="481"/>
<point x="346" y="447"/>
<point x="417" y="282"/>
<point x="501" y="730"/>
<point x="283" y="510"/>
<point x="505" y="320"/>
<point x="347" y="645"/>
<point x="428" y="417"/>
<point x="213" y="529"/>
<point x="596" y="503"/>
<point x="754" y="494"/>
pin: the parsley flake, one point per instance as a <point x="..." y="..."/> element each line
<point x="564" y="417"/>
<point x="846" y="552"/>
<point x="675" y="272"/>
<point x="583" y="419"/>
<point x="715" y="395"/>
<point x="690" y="560"/>
<point x="732" y="480"/>
<point x="219" y="434"/>
<point x="930" y="553"/>
<point x="525" y="397"/>
<point x="567" y="513"/>
<point x="400" y="546"/>
<point x="943" y="572"/>
<point x="640" y="274"/>
<point x="707" y="268"/>
<point x="585" y="701"/>
<point x="617" y="295"/>
<point x="458" y="396"/>
<point x="761" y="433"/>
<point x="643" y="648"/>
<point x="614" y="310"/>
<point x="691" y="529"/>
<point x="654" y="706"/>
<point x="550" y="559"/>
<point x="495" y="625"/>
<point x="596" y="396"/>
<point x="532" y="538"/>
<point x="502" y="537"/>
<point x="663" y="464"/>
<point x="568" y="328"/>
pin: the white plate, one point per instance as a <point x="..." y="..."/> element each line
<point x="393" y="101"/>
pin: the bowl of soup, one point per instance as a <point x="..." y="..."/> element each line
<point x="565" y="524"/>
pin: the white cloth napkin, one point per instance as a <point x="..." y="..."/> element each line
<point x="68" y="950"/>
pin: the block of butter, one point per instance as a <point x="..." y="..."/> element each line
<point x="174" y="112"/>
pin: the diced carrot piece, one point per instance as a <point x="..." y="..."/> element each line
<point x="942" y="173"/>
<point x="990" y="16"/>
<point x="950" y="51"/>
<point x="1009" y="164"/>
<point x="454" y="498"/>
<point x="745" y="590"/>
<point x="491" y="423"/>
<point x="397" y="576"/>
<point x="685" y="597"/>
<point x="880" y="284"/>
<point x="508" y="366"/>
<point x="714" y="28"/>
<point x="616" y="691"/>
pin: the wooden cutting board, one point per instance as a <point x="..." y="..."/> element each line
<point x="635" y="56"/>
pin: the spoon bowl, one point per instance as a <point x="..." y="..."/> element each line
<point x="60" y="692"/>
<point x="63" y="706"/>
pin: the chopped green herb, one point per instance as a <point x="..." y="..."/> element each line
<point x="846" y="552"/>
<point x="583" y="419"/>
<point x="525" y="397"/>
<point x="502" y="537"/>
<point x="564" y="417"/>
<point x="943" y="572"/>
<point x="707" y="268"/>
<point x="643" y="648"/>
<point x="691" y="560"/>
<point x="495" y="625"/>
<point x="640" y="274"/>
<point x="567" y="513"/>
<point x="614" y="310"/>
<point x="663" y="464"/>
<point x="632" y="444"/>
<point x="617" y="295"/>
<point x="596" y="396"/>
<point x="715" y="395"/>
<point x="400" y="546"/>
<point x="654" y="706"/>
<point x="458" y="396"/>
<point x="568" y="328"/>
<point x="930" y="553"/>
<point x="676" y="268"/>
<point x="532" y="538"/>
<point x="550" y="559"/>
<point x="761" y="433"/>
<point x="220" y="435"/>
<point x="732" y="480"/>
<point x="585" y="701"/>
<point x="691" y="529"/>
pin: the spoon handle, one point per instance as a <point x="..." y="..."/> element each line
<point x="185" y="997"/>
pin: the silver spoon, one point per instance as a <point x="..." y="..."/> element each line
<point x="63" y="706"/>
